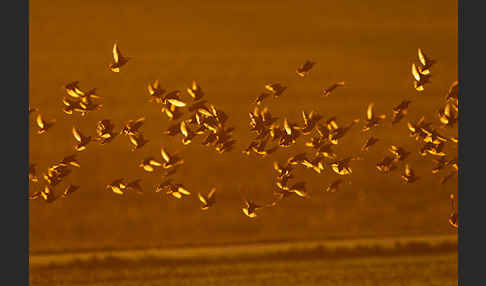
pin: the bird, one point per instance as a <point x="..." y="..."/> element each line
<point x="149" y="164"/>
<point x="83" y="141"/>
<point x="48" y="194"/>
<point x="447" y="177"/>
<point x="399" y="152"/>
<point x="69" y="190"/>
<point x="177" y="190"/>
<point x="334" y="186"/>
<point x="250" y="208"/>
<point x="32" y="176"/>
<point x="409" y="175"/>
<point x="132" y="126"/>
<point x="283" y="171"/>
<point x="425" y="60"/>
<point x="276" y="89"/>
<point x="316" y="164"/>
<point x="432" y="149"/>
<point x="135" y="186"/>
<point x="421" y="77"/>
<point x="195" y="91"/>
<point x="70" y="160"/>
<point x="187" y="133"/>
<point x="304" y="69"/>
<point x="386" y="165"/>
<point x="118" y="59"/>
<point x="371" y="119"/>
<point x="453" y="215"/>
<point x="155" y="91"/>
<point x="261" y="97"/>
<point x="370" y="142"/>
<point x="447" y="115"/>
<point x="310" y="121"/>
<point x="440" y="164"/>
<point x="341" y="167"/>
<point x="43" y="124"/>
<point x="453" y="93"/>
<point x="105" y="130"/>
<point x="327" y="91"/>
<point x="170" y="160"/>
<point x="400" y="111"/>
<point x="117" y="186"/>
<point x="207" y="201"/>
<point x="137" y="140"/>
<point x="337" y="132"/>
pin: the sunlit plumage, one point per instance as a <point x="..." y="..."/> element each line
<point x="43" y="124"/>
<point x="327" y="91"/>
<point x="83" y="141"/>
<point x="118" y="59"/>
<point x="304" y="69"/>
<point x="409" y="175"/>
<point x="69" y="190"/>
<point x="370" y="142"/>
<point x="207" y="201"/>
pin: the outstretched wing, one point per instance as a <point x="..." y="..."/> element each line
<point x="165" y="155"/>
<point x="211" y="193"/>
<point x="369" y="111"/>
<point x="202" y="198"/>
<point x="116" y="53"/>
<point x="415" y="72"/>
<point x="39" y="121"/>
<point x="77" y="135"/>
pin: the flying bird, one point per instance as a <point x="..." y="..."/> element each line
<point x="69" y="190"/>
<point x="195" y="91"/>
<point x="370" y="142"/>
<point x="208" y="200"/>
<point x="327" y="91"/>
<point x="409" y="175"/>
<point x="118" y="59"/>
<point x="43" y="124"/>
<point x="170" y="160"/>
<point x="371" y="119"/>
<point x="149" y="164"/>
<point x="304" y="69"/>
<point x="83" y="141"/>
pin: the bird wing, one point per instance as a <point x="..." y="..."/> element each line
<point x="39" y="121"/>
<point x="150" y="89"/>
<point x="305" y="117"/>
<point x="202" y="198"/>
<point x="369" y="111"/>
<point x="165" y="155"/>
<point x="408" y="171"/>
<point x="183" y="129"/>
<point x="415" y="72"/>
<point x="116" y="53"/>
<point x="211" y="193"/>
<point x="183" y="191"/>
<point x="155" y="163"/>
<point x="176" y="102"/>
<point x="77" y="135"/>
<point x="133" y="139"/>
<point x="287" y="127"/>
<point x="422" y="57"/>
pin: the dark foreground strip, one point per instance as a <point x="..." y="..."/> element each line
<point x="319" y="252"/>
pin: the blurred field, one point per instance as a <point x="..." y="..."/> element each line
<point x="233" y="50"/>
<point x="390" y="271"/>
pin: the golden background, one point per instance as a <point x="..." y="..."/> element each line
<point x="233" y="49"/>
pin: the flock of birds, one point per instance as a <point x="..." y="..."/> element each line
<point x="206" y="120"/>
